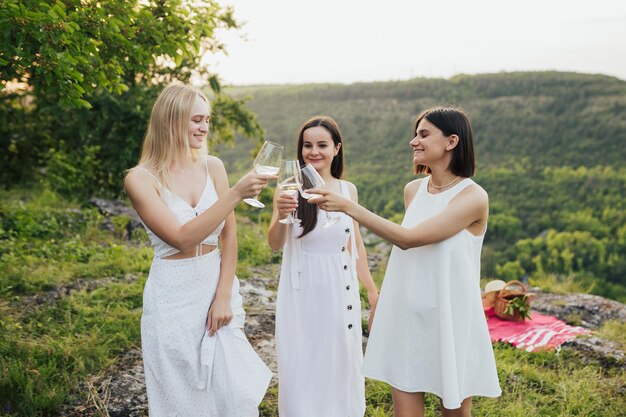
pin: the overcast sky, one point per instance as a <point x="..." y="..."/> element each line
<point x="350" y="41"/>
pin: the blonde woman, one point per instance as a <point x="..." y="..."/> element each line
<point x="197" y="359"/>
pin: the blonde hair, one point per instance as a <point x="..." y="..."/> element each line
<point x="168" y="130"/>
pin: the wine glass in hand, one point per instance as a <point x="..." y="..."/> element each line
<point x="312" y="179"/>
<point x="289" y="182"/>
<point x="267" y="161"/>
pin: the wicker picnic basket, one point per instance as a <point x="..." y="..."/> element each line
<point x="512" y="290"/>
<point x="491" y="292"/>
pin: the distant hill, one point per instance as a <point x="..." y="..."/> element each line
<point x="550" y="152"/>
<point x="541" y="119"/>
<point x="554" y="118"/>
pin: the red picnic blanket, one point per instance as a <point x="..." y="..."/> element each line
<point x="537" y="333"/>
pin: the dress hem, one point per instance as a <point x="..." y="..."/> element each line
<point x="435" y="392"/>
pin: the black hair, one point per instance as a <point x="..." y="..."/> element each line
<point x="307" y="213"/>
<point x="451" y="121"/>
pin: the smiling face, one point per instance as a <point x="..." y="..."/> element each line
<point x="430" y="145"/>
<point x="198" y="126"/>
<point x="318" y="149"/>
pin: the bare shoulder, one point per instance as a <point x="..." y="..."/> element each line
<point x="477" y="192"/>
<point x="474" y="194"/>
<point x="410" y="190"/>
<point x="141" y="185"/>
<point x="413" y="186"/>
<point x="215" y="166"/>
<point x="137" y="177"/>
<point x="214" y="163"/>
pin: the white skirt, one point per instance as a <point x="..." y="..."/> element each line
<point x="319" y="340"/>
<point x="188" y="373"/>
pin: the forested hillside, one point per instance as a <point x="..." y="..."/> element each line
<point x="550" y="152"/>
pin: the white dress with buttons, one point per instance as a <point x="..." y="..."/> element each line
<point x="189" y="373"/>
<point x="318" y="324"/>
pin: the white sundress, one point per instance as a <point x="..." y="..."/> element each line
<point x="430" y="333"/>
<point x="189" y="373"/>
<point x="318" y="323"/>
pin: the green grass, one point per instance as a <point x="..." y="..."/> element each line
<point x="253" y="249"/>
<point x="47" y="350"/>
<point x="562" y="284"/>
<point x="613" y="330"/>
<point x="543" y="384"/>
<point x="45" y="353"/>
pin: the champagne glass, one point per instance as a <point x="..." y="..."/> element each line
<point x="312" y="179"/>
<point x="289" y="182"/>
<point x="267" y="161"/>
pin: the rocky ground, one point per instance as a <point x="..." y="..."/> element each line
<point x="120" y="391"/>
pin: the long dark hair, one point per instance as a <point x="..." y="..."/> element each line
<point x="307" y="213"/>
<point x="452" y="121"/>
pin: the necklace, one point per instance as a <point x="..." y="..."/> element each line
<point x="178" y="170"/>
<point x="443" y="186"/>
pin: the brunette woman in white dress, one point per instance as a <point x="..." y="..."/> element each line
<point x="197" y="359"/>
<point x="429" y="332"/>
<point x="318" y="312"/>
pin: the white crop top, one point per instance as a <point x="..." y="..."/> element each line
<point x="184" y="213"/>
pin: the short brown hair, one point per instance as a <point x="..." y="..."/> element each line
<point x="451" y="121"/>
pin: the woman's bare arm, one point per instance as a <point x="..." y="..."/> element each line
<point x="143" y="192"/>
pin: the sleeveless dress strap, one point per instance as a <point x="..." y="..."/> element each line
<point x="151" y="174"/>
<point x="423" y="186"/>
<point x="458" y="188"/>
<point x="420" y="191"/>
<point x="463" y="185"/>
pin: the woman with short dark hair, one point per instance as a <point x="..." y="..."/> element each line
<point x="429" y="332"/>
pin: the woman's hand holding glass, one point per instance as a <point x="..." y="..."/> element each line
<point x="328" y="200"/>
<point x="312" y="182"/>
<point x="267" y="161"/>
<point x="251" y="184"/>
<point x="289" y="182"/>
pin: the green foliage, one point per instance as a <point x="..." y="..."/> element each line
<point x="71" y="172"/>
<point x="48" y="347"/>
<point x="562" y="284"/>
<point x="69" y="49"/>
<point x="79" y="79"/>
<point x="548" y="148"/>
<point x="81" y="152"/>
<point x="510" y="270"/>
<point x="43" y="246"/>
<point x="572" y="221"/>
<point x="253" y="249"/>
<point x="518" y="305"/>
<point x="269" y="406"/>
<point x="614" y="330"/>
